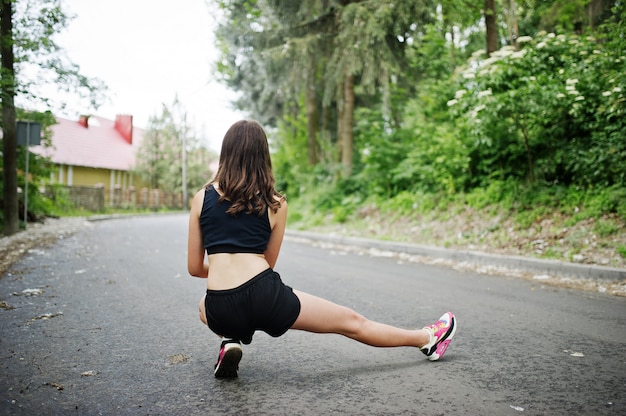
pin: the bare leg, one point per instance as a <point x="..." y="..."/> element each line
<point x="322" y="316"/>
<point x="201" y="310"/>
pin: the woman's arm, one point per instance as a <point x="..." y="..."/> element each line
<point x="278" y="222"/>
<point x="195" y="247"/>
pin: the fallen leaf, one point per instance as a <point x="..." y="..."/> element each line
<point x="28" y="292"/>
<point x="6" y="306"/>
<point x="178" y="358"/>
<point x="56" y="386"/>
<point x="45" y="316"/>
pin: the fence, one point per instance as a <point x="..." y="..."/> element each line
<point x="96" y="198"/>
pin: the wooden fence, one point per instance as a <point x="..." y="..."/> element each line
<point x="97" y="198"/>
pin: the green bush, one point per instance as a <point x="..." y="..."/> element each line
<point x="553" y="112"/>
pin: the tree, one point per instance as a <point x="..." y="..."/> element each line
<point x="27" y="40"/>
<point x="160" y="155"/>
<point x="491" y="28"/>
<point x="343" y="46"/>
<point x="9" y="140"/>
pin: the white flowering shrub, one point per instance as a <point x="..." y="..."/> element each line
<point x="552" y="111"/>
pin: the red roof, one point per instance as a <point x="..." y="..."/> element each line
<point x="99" y="145"/>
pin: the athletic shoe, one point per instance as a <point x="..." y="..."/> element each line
<point x="441" y="333"/>
<point x="228" y="360"/>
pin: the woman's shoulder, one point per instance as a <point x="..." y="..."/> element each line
<point x="198" y="199"/>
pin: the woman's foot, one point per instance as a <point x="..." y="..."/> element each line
<point x="441" y="333"/>
<point x="228" y="360"/>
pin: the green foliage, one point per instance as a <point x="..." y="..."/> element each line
<point x="40" y="61"/>
<point x="524" y="135"/>
<point x="57" y="200"/>
<point x="289" y="160"/>
<point x="39" y="167"/>
<point x="553" y="111"/>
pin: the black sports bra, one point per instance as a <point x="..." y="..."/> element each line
<point x="224" y="233"/>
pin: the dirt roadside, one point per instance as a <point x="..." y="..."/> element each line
<point x="39" y="234"/>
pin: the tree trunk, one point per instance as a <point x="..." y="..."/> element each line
<point x="312" y="123"/>
<point x="491" y="27"/>
<point x="340" y="111"/>
<point x="326" y="137"/>
<point x="346" y="124"/>
<point x="512" y="24"/>
<point x="9" y="139"/>
<point x="448" y="27"/>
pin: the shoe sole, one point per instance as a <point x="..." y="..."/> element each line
<point x="228" y="366"/>
<point x="443" y="344"/>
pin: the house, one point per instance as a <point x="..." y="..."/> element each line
<point x="94" y="151"/>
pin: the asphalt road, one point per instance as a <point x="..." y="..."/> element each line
<point x="105" y="322"/>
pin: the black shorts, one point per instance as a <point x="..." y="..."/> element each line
<point x="263" y="303"/>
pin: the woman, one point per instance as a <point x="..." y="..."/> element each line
<point x="239" y="220"/>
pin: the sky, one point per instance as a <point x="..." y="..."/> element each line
<point x="148" y="52"/>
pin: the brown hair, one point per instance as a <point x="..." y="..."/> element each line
<point x="245" y="173"/>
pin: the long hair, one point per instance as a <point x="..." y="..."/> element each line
<point x="244" y="172"/>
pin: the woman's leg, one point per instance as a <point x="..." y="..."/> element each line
<point x="201" y="310"/>
<point x="322" y="316"/>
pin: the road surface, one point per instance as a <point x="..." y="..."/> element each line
<point x="105" y="322"/>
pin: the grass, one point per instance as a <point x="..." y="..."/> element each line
<point x="567" y="221"/>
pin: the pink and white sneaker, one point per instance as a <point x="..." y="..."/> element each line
<point x="228" y="360"/>
<point x="441" y="333"/>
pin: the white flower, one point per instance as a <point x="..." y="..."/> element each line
<point x="550" y="35"/>
<point x="468" y="75"/>
<point x="617" y="89"/>
<point x="570" y="87"/>
<point x="572" y="92"/>
<point x="504" y="52"/>
<point x="518" y="54"/>
<point x="571" y="81"/>
<point x="452" y="102"/>
<point x="579" y="98"/>
<point x="583" y="53"/>
<point x="490" y="60"/>
<point x="523" y="39"/>
<point x="560" y="95"/>
<point x="561" y="71"/>
<point x="541" y="45"/>
<point x="606" y="93"/>
<point x="484" y="93"/>
<point x="532" y="78"/>
<point x="460" y="93"/>
<point x="479" y="53"/>
<point x="479" y="108"/>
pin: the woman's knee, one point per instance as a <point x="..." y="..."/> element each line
<point x="353" y="322"/>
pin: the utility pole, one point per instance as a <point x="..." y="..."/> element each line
<point x="183" y="130"/>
